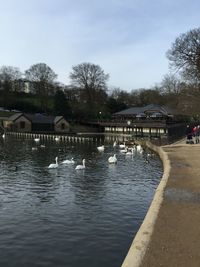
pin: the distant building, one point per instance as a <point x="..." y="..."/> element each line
<point x="148" y="112"/>
<point x="24" y="122"/>
<point x="151" y="120"/>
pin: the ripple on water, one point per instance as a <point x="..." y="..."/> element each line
<point x="62" y="217"/>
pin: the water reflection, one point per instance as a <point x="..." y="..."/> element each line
<point x="85" y="218"/>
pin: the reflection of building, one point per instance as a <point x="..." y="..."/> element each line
<point x="23" y="122"/>
<point x="151" y="120"/>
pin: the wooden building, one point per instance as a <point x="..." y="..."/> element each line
<point x="151" y="120"/>
<point x="24" y="122"/>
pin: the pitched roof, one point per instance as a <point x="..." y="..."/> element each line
<point x="15" y="116"/>
<point x="152" y="108"/>
<point x="40" y="118"/>
<point x="58" y="118"/>
<point x="36" y="118"/>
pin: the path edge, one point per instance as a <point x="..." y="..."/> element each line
<point x="139" y="245"/>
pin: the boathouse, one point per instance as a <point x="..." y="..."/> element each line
<point x="24" y="122"/>
<point x="151" y="120"/>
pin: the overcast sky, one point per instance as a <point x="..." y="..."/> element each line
<point x="127" y="38"/>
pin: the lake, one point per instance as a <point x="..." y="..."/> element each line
<point x="67" y="217"/>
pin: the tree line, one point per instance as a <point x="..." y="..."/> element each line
<point x="88" y="96"/>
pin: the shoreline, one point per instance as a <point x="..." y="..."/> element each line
<point x="169" y="233"/>
<point x="140" y="242"/>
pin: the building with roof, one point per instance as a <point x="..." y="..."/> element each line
<point x="24" y="122"/>
<point x="147" y="112"/>
<point x="151" y="120"/>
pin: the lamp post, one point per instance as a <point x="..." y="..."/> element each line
<point x="99" y="115"/>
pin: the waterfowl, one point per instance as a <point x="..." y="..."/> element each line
<point x="112" y="159"/>
<point x="122" y="145"/>
<point x="68" y="161"/>
<point x="54" y="165"/>
<point x="114" y="144"/>
<point x="101" y="148"/>
<point x="81" y="167"/>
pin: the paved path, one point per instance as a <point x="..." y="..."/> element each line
<point x="175" y="241"/>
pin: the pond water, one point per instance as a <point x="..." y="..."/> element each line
<point x="64" y="217"/>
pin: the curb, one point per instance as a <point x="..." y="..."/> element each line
<point x="139" y="245"/>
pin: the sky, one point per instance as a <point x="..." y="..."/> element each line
<point x="128" y="39"/>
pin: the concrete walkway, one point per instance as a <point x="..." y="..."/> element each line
<point x="175" y="241"/>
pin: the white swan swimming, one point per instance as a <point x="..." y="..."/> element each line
<point x="112" y="159"/>
<point x="139" y="148"/>
<point x="57" y="138"/>
<point x="81" y="167"/>
<point x="130" y="152"/>
<point x="54" y="165"/>
<point x="115" y="144"/>
<point x="122" y="145"/>
<point x="68" y="161"/>
<point x="125" y="150"/>
<point x="37" y="140"/>
<point x="101" y="148"/>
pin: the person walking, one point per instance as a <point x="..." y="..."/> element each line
<point x="189" y="135"/>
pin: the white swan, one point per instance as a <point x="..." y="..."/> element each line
<point x="101" y="148"/>
<point x="112" y="159"/>
<point x="81" y="167"/>
<point x="57" y="138"/>
<point x="115" y="144"/>
<point x="130" y="152"/>
<point x="125" y="150"/>
<point x="139" y="148"/>
<point x="54" y="165"/>
<point x="122" y="145"/>
<point x="68" y="161"/>
<point x="37" y="140"/>
<point x="3" y="135"/>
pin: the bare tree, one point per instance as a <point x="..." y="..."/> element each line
<point x="9" y="83"/>
<point x="184" y="55"/>
<point x="43" y="77"/>
<point x="9" y="77"/>
<point x="91" y="80"/>
<point x="171" y="84"/>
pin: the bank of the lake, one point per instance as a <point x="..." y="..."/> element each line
<point x="174" y="240"/>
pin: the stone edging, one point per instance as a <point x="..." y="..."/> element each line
<point x="139" y="245"/>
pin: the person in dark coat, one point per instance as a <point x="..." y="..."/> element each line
<point x="189" y="135"/>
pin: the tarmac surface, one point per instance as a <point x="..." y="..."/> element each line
<point x="175" y="241"/>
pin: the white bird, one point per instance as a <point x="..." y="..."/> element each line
<point x="139" y="148"/>
<point x="57" y="138"/>
<point x="54" y="165"/>
<point x="81" y="167"/>
<point x="114" y="144"/>
<point x="37" y="139"/>
<point x="101" y="148"/>
<point x="68" y="161"/>
<point x="3" y="135"/>
<point x="125" y="150"/>
<point x="122" y="145"/>
<point x="130" y="152"/>
<point x="112" y="159"/>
